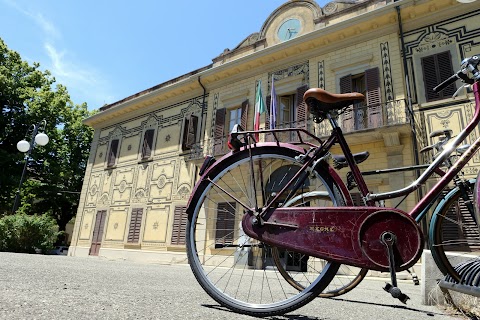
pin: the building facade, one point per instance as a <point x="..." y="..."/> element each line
<point x="147" y="148"/>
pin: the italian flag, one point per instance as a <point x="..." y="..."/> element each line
<point x="259" y="108"/>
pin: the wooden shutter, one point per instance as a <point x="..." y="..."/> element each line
<point x="301" y="115"/>
<point x="357" y="199"/>
<point x="459" y="227"/>
<point x="190" y="129"/>
<point x="112" y="155"/>
<point x="147" y="144"/>
<point x="436" y="69"/>
<point x="245" y="106"/>
<point x="374" y="107"/>
<point x="348" y="118"/>
<point x="218" y="135"/>
<point x="179" y="225"/>
<point x="135" y="225"/>
<point x="225" y="223"/>
<point x="98" y="232"/>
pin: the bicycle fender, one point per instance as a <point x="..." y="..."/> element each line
<point x="259" y="148"/>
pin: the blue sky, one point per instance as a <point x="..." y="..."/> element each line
<point x="104" y="51"/>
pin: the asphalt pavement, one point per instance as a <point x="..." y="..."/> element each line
<point x="61" y="287"/>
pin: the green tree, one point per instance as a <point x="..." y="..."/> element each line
<point x="55" y="172"/>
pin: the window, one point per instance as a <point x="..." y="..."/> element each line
<point x="113" y="153"/>
<point x="179" y="225"/>
<point x="190" y="129"/>
<point x="225" y="223"/>
<point x="147" y="144"/>
<point x="367" y="114"/>
<point x="437" y="68"/>
<point x="291" y="113"/>
<point x="224" y="122"/>
<point x="285" y="111"/>
<point x="235" y="117"/>
<point x="135" y="225"/>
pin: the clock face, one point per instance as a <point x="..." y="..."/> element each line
<point x="289" y="29"/>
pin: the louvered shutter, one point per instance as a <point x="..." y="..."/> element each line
<point x="436" y="69"/>
<point x="348" y="119"/>
<point x="135" y="225"/>
<point x="147" y="144"/>
<point x="112" y="155"/>
<point x="357" y="199"/>
<point x="300" y="111"/>
<point x="244" y="118"/>
<point x="445" y="71"/>
<point x="459" y="227"/>
<point x="179" y="225"/>
<point x="225" y="223"/>
<point x="218" y="135"/>
<point x="374" y="107"/>
<point x="192" y="131"/>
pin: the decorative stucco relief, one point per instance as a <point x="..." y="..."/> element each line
<point x="161" y="182"/>
<point x="123" y="186"/>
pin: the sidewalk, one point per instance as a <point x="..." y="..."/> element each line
<point x="60" y="287"/>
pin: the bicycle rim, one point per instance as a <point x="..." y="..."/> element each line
<point x="454" y="235"/>
<point x="234" y="269"/>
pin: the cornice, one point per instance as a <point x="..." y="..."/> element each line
<point x="326" y="39"/>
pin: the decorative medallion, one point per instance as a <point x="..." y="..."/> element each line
<point x="123" y="186"/>
<point x="155" y="225"/>
<point x="115" y="226"/>
<point x="330" y="7"/>
<point x="129" y="147"/>
<point x="93" y="190"/>
<point x="167" y="138"/>
<point x="162" y="181"/>
<point x="85" y="226"/>
<point x="100" y="155"/>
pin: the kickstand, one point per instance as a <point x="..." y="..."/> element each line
<point x="414" y="277"/>
<point x="388" y="239"/>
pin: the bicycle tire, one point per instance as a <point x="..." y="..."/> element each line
<point x="249" y="286"/>
<point x="445" y="227"/>
<point x="347" y="277"/>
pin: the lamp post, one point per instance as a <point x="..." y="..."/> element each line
<point x="39" y="138"/>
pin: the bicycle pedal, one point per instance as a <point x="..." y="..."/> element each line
<point x="396" y="293"/>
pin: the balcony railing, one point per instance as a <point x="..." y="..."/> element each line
<point x="371" y="117"/>
<point x="357" y="119"/>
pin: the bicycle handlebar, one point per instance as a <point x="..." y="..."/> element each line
<point x="468" y="73"/>
<point x="447" y="82"/>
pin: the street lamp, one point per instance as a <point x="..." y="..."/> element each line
<point x="39" y="138"/>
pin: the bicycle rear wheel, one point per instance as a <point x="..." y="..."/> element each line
<point x="234" y="269"/>
<point x="347" y="277"/>
<point x="454" y="234"/>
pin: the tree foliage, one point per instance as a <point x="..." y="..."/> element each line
<point x="26" y="233"/>
<point x="55" y="172"/>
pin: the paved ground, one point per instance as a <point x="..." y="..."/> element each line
<point x="60" y="287"/>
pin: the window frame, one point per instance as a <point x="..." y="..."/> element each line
<point x="112" y="157"/>
<point x="191" y="126"/>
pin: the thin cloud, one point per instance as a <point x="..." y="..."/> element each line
<point x="47" y="26"/>
<point x="84" y="83"/>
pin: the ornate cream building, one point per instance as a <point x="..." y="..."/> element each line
<point x="148" y="147"/>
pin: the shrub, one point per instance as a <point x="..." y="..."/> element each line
<point x="26" y="233"/>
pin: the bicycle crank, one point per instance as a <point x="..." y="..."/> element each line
<point x="347" y="235"/>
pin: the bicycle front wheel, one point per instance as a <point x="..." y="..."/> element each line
<point x="234" y="269"/>
<point x="454" y="234"/>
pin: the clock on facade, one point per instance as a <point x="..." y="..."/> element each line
<point x="289" y="29"/>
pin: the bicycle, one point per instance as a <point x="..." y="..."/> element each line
<point x="459" y="198"/>
<point x="250" y="186"/>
